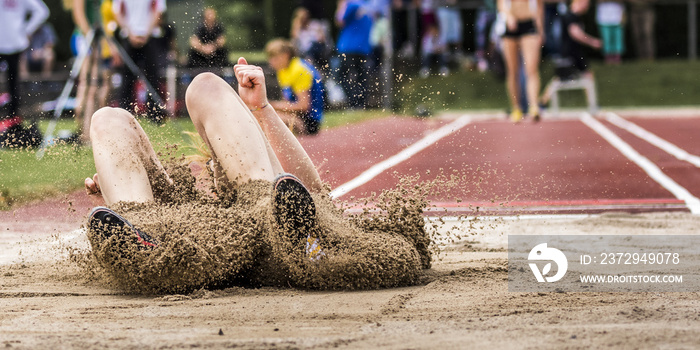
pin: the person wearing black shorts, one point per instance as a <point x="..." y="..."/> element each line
<point x="523" y="37"/>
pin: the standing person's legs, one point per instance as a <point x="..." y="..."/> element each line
<point x="152" y="69"/>
<point x="128" y="78"/>
<point x="125" y="161"/>
<point x="350" y="80"/>
<point x="240" y="150"/>
<point x="531" y="45"/>
<point x="606" y="36"/>
<point x="90" y="101"/>
<point x="12" y="83"/>
<point x="511" y="56"/>
<point x="362" y="66"/>
<point x="618" y="42"/>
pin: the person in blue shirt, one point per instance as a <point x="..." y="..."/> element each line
<point x="354" y="48"/>
<point x="302" y="88"/>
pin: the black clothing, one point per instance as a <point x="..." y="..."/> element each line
<point x="571" y="51"/>
<point x="526" y="27"/>
<point x="12" y="61"/>
<point x="208" y="35"/>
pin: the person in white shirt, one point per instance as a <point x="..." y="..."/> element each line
<point x="138" y="21"/>
<point x="15" y="31"/>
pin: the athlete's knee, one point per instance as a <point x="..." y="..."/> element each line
<point x="204" y="88"/>
<point x="108" y="121"/>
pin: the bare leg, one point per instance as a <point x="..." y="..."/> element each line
<point x="531" y="45"/>
<point x="227" y="126"/>
<point x="123" y="156"/>
<point x="90" y="98"/>
<point x="512" y="59"/>
<point x="81" y="93"/>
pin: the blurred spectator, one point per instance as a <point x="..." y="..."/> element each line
<point x="432" y="51"/>
<point x="553" y="10"/>
<point x="522" y="37"/>
<point x="39" y="57"/>
<point x="15" y="29"/>
<point x="207" y="43"/>
<point x="95" y="73"/>
<point x="403" y="41"/>
<point x="309" y="37"/>
<point x="643" y="21"/>
<point x="450" y="21"/>
<point x="164" y="40"/>
<point x="609" y="16"/>
<point x="427" y="14"/>
<point x="315" y="8"/>
<point x="302" y="88"/>
<point x="572" y="64"/>
<point x="138" y="20"/>
<point x="485" y="17"/>
<point x="379" y="36"/>
<point x="354" y="48"/>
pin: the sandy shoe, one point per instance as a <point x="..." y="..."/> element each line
<point x="106" y="222"/>
<point x="295" y="212"/>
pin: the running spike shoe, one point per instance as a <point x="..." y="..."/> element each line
<point x="107" y="222"/>
<point x="295" y="211"/>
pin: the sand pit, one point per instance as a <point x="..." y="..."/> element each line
<point x="462" y="301"/>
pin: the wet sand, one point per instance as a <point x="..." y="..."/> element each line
<point x="461" y="302"/>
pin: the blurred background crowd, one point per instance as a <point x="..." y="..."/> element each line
<point x="319" y="54"/>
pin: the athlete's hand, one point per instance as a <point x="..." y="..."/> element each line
<point x="251" y="84"/>
<point x="92" y="188"/>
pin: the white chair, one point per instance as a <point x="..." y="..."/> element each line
<point x="580" y="83"/>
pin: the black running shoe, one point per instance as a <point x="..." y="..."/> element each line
<point x="107" y="222"/>
<point x="295" y="212"/>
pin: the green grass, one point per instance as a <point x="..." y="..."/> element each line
<point x="63" y="167"/>
<point x="24" y="178"/>
<point x="632" y="84"/>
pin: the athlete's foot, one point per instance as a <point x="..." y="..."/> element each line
<point x="295" y="212"/>
<point x="105" y="222"/>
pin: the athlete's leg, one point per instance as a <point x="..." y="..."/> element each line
<point x="125" y="161"/>
<point x="531" y="46"/>
<point x="234" y="137"/>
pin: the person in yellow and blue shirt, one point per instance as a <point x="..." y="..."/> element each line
<point x="302" y="88"/>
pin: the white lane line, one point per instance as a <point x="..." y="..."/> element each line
<point x="650" y="168"/>
<point x="407" y="153"/>
<point x="645" y="135"/>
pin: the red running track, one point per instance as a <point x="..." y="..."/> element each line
<point x="556" y="166"/>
